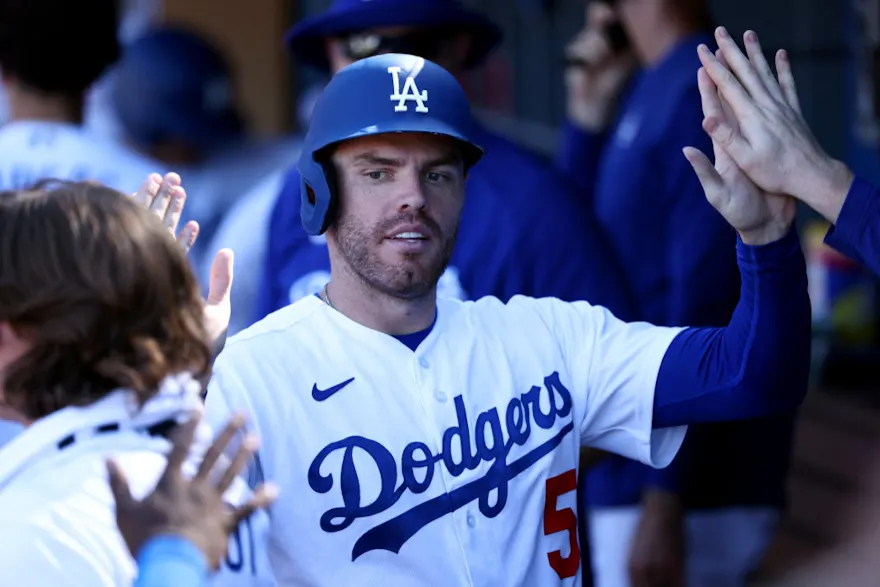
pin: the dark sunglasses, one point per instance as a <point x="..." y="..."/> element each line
<point x="427" y="44"/>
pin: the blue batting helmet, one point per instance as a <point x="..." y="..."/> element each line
<point x="384" y="94"/>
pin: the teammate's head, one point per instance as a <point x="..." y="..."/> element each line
<point x="57" y="47"/>
<point x="387" y="153"/>
<point x="173" y="94"/>
<point x="94" y="295"/>
<point x="651" y="23"/>
<point x="443" y="31"/>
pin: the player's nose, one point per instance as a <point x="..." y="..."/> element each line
<point x="411" y="192"/>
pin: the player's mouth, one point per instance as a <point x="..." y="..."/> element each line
<point x="410" y="239"/>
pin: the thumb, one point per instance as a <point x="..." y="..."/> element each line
<point x="220" y="283"/>
<point x="713" y="184"/>
<point x="706" y="173"/>
<point x="118" y="485"/>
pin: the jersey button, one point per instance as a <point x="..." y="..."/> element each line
<point x="440" y="396"/>
<point x="471" y="520"/>
<point x="424" y="362"/>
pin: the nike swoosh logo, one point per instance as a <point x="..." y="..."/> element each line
<point x="320" y="395"/>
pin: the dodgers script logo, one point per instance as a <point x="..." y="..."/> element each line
<point x="410" y="91"/>
<point x="418" y="466"/>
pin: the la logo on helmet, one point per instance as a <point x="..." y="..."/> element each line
<point x="411" y="92"/>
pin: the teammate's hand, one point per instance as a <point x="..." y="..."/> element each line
<point x="191" y="508"/>
<point x="166" y="198"/>
<point x="656" y="557"/>
<point x="760" y="217"/>
<point x="765" y="133"/>
<point x="595" y="74"/>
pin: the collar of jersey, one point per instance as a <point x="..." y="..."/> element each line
<point x="179" y="396"/>
<point x="445" y="308"/>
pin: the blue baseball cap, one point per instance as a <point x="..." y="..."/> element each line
<point x="171" y="82"/>
<point x="306" y="39"/>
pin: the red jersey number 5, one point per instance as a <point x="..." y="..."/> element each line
<point x="564" y="520"/>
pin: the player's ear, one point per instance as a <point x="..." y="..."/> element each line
<point x="12" y="346"/>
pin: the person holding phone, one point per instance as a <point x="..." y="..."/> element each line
<point x="633" y="105"/>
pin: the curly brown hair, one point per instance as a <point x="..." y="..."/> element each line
<point x="101" y="292"/>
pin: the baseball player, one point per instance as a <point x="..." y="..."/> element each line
<point x="418" y="440"/>
<point x="102" y="348"/>
<point x="47" y="71"/>
<point x="542" y="241"/>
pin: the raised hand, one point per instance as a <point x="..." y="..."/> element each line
<point x="166" y="197"/>
<point x="596" y="74"/>
<point x="759" y="216"/>
<point x="770" y="140"/>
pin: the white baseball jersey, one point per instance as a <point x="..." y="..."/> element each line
<point x="57" y="512"/>
<point x="451" y="465"/>
<point x="34" y="150"/>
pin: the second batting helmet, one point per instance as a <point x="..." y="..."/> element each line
<point x="384" y="94"/>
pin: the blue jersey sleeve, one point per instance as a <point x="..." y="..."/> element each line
<point x="857" y="232"/>
<point x="756" y="366"/>
<point x="271" y="295"/>
<point x="171" y="560"/>
<point x="703" y="280"/>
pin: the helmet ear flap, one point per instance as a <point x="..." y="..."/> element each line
<point x="318" y="197"/>
<point x="332" y="180"/>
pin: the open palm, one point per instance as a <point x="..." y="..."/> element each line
<point x="750" y="210"/>
<point x="166" y="198"/>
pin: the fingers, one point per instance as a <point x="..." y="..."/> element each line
<point x="709" y="95"/>
<point x="220" y="284"/>
<point x="242" y="457"/>
<point x="599" y="15"/>
<point x="706" y="173"/>
<point x="175" y="209"/>
<point x="759" y="63"/>
<point x="181" y="441"/>
<point x="118" y="485"/>
<point x="741" y="66"/>
<point x="728" y="85"/>
<point x="188" y="236"/>
<point x="212" y="455"/>
<point x="162" y="200"/>
<point x="147" y="192"/>
<point x="263" y="497"/>
<point x="786" y="80"/>
<point x="719" y="119"/>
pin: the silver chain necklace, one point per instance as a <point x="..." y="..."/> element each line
<point x="326" y="297"/>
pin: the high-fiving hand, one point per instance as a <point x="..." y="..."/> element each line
<point x="166" y="198"/>
<point x="764" y="131"/>
<point x="759" y="216"/>
<point x="192" y="508"/>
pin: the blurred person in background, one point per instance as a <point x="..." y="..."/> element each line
<point x="173" y="94"/>
<point x="136" y="17"/>
<point x="47" y="70"/>
<point x="522" y="231"/>
<point x="633" y="104"/>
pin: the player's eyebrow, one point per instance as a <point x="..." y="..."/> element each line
<point x="450" y="158"/>
<point x="373" y="159"/>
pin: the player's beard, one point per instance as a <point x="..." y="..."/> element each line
<point x="414" y="276"/>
